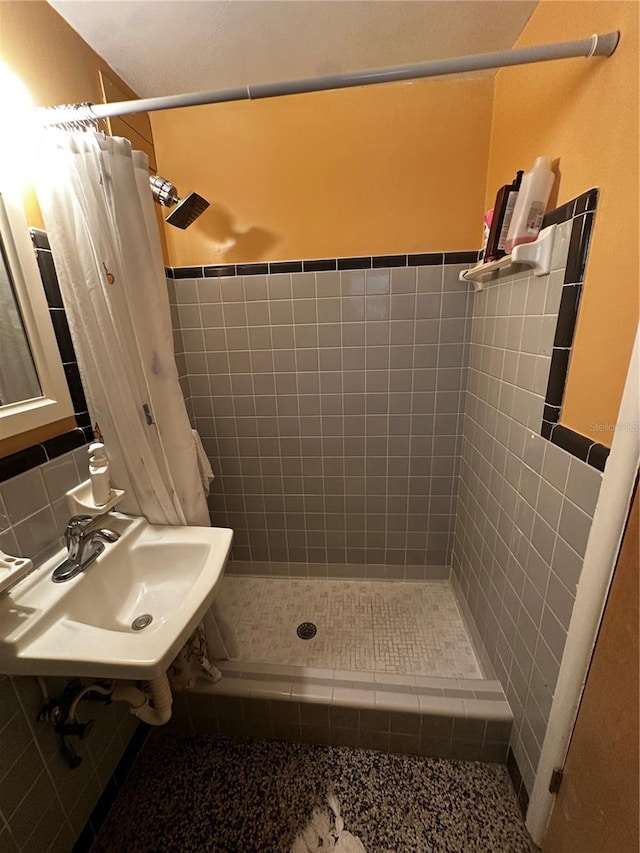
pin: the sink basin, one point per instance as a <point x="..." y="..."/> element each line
<point x="84" y="627"/>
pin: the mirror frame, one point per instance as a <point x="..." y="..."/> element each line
<point x="55" y="403"/>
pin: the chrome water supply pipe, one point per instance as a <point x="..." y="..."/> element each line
<point x="596" y="45"/>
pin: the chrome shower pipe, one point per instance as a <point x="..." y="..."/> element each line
<point x="596" y="45"/>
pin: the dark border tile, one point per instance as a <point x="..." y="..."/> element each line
<point x="518" y="784"/>
<point x="514" y="771"/>
<point x="55" y="447"/>
<point x="322" y="265"/>
<point x="578" y="248"/>
<point x="63" y="335"/>
<point x="587" y="201"/>
<point x="523" y="800"/>
<point x="110" y="792"/>
<point x="460" y="257"/>
<point x="325" y="264"/>
<point x="49" y="278"/>
<point x="75" y="387"/>
<point x="382" y="261"/>
<point x="567" y="315"/>
<point x="101" y="809"/>
<point x="354" y="263"/>
<point x="428" y="259"/>
<point x="83" y="419"/>
<point x="598" y="455"/>
<point x="547" y="429"/>
<point x="23" y="460"/>
<point x="559" y="214"/>
<point x="285" y="266"/>
<point x="188" y="272"/>
<point x="557" y="377"/>
<point x="574" y="443"/>
<point x="85" y="840"/>
<point x="39" y="238"/>
<point x="582" y="210"/>
<point x="129" y="755"/>
<point x="551" y="413"/>
<point x="219" y="271"/>
<point x="252" y="269"/>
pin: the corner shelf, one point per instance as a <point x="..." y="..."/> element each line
<point x="80" y="500"/>
<point x="536" y="255"/>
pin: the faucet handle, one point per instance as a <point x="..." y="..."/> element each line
<point x="76" y="525"/>
<point x="79" y="520"/>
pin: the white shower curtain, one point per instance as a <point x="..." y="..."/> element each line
<point x="98" y="211"/>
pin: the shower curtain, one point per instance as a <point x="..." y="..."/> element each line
<point x="97" y="207"/>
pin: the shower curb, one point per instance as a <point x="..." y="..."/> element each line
<point x="467" y="719"/>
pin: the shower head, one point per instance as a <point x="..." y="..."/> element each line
<point x="189" y="208"/>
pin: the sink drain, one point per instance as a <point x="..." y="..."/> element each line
<point x="141" y="622"/>
<point x="306" y="630"/>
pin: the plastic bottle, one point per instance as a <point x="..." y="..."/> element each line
<point x="99" y="473"/>
<point x="531" y="204"/>
<point x="502" y="214"/>
<point x="486" y="230"/>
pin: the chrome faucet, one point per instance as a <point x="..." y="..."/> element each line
<point x="84" y="546"/>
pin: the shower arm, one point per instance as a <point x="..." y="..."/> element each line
<point x="596" y="45"/>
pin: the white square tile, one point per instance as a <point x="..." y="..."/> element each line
<point x="365" y="628"/>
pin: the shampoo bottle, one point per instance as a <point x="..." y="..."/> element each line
<point x="502" y="214"/>
<point x="99" y="474"/>
<point x="531" y="204"/>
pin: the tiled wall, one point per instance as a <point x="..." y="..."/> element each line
<point x="329" y="404"/>
<point x="525" y="505"/>
<point x="43" y="804"/>
<point x="33" y="506"/>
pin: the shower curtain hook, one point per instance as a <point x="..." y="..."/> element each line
<point x="71" y="124"/>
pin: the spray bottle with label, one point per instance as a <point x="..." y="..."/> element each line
<point x="502" y="214"/>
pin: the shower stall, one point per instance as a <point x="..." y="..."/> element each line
<point x="409" y="520"/>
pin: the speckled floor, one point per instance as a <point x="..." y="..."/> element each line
<point x="209" y="794"/>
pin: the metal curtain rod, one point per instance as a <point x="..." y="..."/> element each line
<point x="596" y="45"/>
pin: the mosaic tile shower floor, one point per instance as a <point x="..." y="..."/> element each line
<point x="209" y="794"/>
<point x="386" y="627"/>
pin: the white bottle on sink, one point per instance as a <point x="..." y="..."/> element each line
<point x="531" y="204"/>
<point x="99" y="473"/>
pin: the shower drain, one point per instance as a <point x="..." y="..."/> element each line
<point x="141" y="622"/>
<point x="306" y="630"/>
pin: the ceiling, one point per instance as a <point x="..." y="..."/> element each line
<point x="163" y="47"/>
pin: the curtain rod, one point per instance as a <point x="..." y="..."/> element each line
<point x="596" y="45"/>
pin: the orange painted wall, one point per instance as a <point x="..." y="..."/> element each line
<point x="58" y="67"/>
<point x="585" y="114"/>
<point x="373" y="170"/>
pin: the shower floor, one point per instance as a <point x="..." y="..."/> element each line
<point x="386" y="627"/>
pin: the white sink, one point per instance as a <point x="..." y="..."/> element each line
<point x="83" y="627"/>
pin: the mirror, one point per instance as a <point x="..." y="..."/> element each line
<point x="18" y="377"/>
<point x="33" y="386"/>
